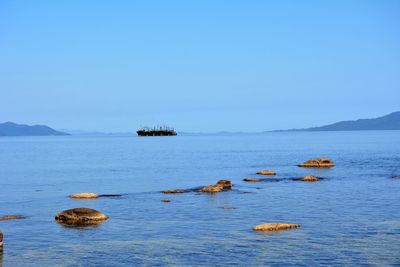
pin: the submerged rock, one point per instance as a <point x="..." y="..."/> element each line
<point x="317" y="163"/>
<point x="12" y="217"/>
<point x="272" y="227"/>
<point x="80" y="217"/>
<point x="111" y="195"/>
<point x="228" y="207"/>
<point x="84" y="195"/>
<point x="309" y="178"/>
<point x="175" y="191"/>
<point x="166" y="200"/>
<point x="218" y="187"/>
<point x="253" y="180"/>
<point x="1" y="242"/>
<point x="94" y="195"/>
<point x="266" y="172"/>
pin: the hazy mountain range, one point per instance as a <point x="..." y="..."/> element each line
<point x="13" y="129"/>
<point x="388" y="122"/>
<point x="94" y="133"/>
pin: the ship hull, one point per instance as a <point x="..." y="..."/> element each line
<point x="156" y="133"/>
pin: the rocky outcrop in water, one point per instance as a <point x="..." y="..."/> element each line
<point x="84" y="195"/>
<point x="266" y="172"/>
<point x="317" y="163"/>
<point x="1" y="242"/>
<point x="12" y="217"/>
<point x="80" y="217"/>
<point x="308" y="178"/>
<point x="272" y="227"/>
<point x="211" y="189"/>
<point x="175" y="191"/>
<point x="226" y="184"/>
<point x="218" y="187"/>
<point x="166" y="200"/>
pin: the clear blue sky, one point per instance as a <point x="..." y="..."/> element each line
<point x="197" y="65"/>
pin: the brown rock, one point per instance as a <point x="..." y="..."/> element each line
<point x="253" y="180"/>
<point x="266" y="172"/>
<point x="84" y="195"/>
<point x="166" y="200"/>
<point x="226" y="184"/>
<point x="317" y="163"/>
<point x="309" y="178"/>
<point x="12" y="217"/>
<point x="80" y="217"/>
<point x="1" y="242"/>
<point x="218" y="187"/>
<point x="271" y="227"/>
<point x="175" y="191"/>
<point x="211" y="189"/>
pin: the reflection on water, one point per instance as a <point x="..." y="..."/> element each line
<point x="351" y="217"/>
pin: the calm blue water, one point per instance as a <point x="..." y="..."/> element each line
<point x="352" y="217"/>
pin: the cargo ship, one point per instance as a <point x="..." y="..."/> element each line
<point x="156" y="131"/>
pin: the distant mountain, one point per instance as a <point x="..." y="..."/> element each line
<point x="388" y="122"/>
<point x="13" y="129"/>
<point x="94" y="133"/>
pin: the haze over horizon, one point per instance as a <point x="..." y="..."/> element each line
<point x="198" y="66"/>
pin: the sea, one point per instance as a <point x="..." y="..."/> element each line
<point x="350" y="217"/>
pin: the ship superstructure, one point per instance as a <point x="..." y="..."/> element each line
<point x="156" y="131"/>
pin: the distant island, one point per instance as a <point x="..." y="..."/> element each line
<point x="387" y="122"/>
<point x="94" y="133"/>
<point x="13" y="129"/>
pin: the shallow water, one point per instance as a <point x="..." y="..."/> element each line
<point x="351" y="217"/>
